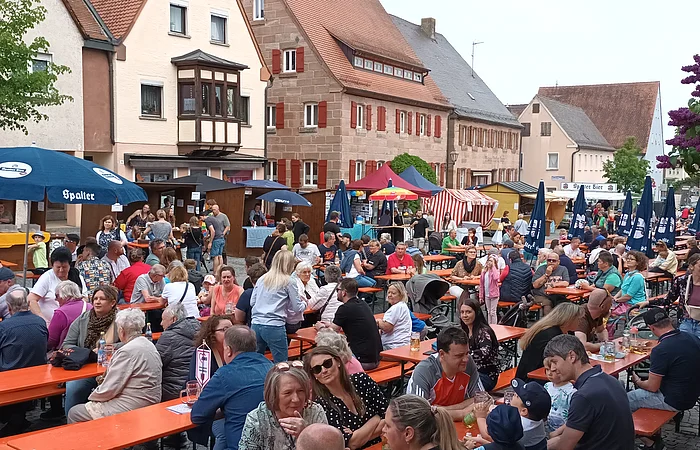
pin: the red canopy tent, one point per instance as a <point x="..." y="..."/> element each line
<point x="380" y="179"/>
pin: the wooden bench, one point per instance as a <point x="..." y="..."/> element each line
<point x="386" y="375"/>
<point x="370" y="290"/>
<point x="5" y="440"/>
<point x="30" y="394"/>
<point x="504" y="379"/>
<point x="294" y="350"/>
<point x="448" y="298"/>
<point x="648" y="422"/>
<point x="504" y="305"/>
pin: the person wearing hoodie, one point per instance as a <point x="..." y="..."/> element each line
<point x="176" y="347"/>
<point x="193" y="275"/>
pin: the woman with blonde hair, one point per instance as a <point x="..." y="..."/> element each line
<point x="412" y="424"/>
<point x="180" y="290"/>
<point x="396" y="325"/>
<point x="666" y="262"/>
<point x="562" y="319"/>
<point x="328" y="337"/>
<point x="274" y="302"/>
<point x="161" y="228"/>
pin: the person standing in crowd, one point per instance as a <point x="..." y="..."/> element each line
<point x="216" y="243"/>
<point x="275" y="297"/>
<point x="550" y="275"/>
<point x="306" y="252"/>
<point x="448" y="223"/>
<point x="430" y="217"/>
<point x="299" y="227"/>
<point x="243" y="308"/>
<point x="161" y="229"/>
<point x="139" y="217"/>
<point x="521" y="225"/>
<point x="109" y="231"/>
<point x="332" y="224"/>
<point x="92" y="269"/>
<point x="180" y="290"/>
<point x="483" y="344"/>
<point x="400" y="261"/>
<point x="488" y="288"/>
<point x="38" y="251"/>
<point x="224" y="296"/>
<point x="194" y="240"/>
<point x="23" y="339"/>
<point x="134" y="376"/>
<point x="412" y="424"/>
<point x="216" y="212"/>
<point x="116" y="259"/>
<point x="237" y="388"/>
<point x="274" y="243"/>
<point x="599" y="410"/>
<point x="157" y="247"/>
<point x="7" y="285"/>
<point x="353" y="403"/>
<point x="127" y="278"/>
<point x="563" y="319"/>
<point x="176" y="347"/>
<point x="396" y="325"/>
<point x="149" y="286"/>
<point x="448" y="378"/>
<point x="420" y="227"/>
<point x="257" y="217"/>
<point x="354" y="317"/>
<point x="42" y="297"/>
<point x="71" y="242"/>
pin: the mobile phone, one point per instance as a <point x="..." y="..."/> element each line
<point x="429" y="352"/>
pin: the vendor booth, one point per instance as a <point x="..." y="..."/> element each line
<point x="519" y="197"/>
<point x="463" y="206"/>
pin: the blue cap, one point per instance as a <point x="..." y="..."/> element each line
<point x="6" y="274"/>
<point x="535" y="398"/>
<point x="504" y="425"/>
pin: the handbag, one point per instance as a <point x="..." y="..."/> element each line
<point x="266" y="254"/>
<point x="693" y="311"/>
<point x="316" y="315"/>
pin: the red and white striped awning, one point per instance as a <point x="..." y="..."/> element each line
<point x="469" y="205"/>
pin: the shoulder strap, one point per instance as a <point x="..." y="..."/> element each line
<point x="187" y="286"/>
<point x="267" y="255"/>
<point x="323" y="308"/>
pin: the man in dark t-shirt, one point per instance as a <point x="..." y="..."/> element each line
<point x="420" y="227"/>
<point x="332" y="224"/>
<point x="328" y="249"/>
<point x="355" y="319"/>
<point x="599" y="414"/>
<point x="376" y="260"/>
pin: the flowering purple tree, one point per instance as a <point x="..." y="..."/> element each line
<point x="686" y="142"/>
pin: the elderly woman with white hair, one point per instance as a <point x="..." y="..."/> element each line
<point x="133" y="379"/>
<point x="325" y="301"/>
<point x="71" y="306"/>
<point x="308" y="289"/>
<point x="176" y="347"/>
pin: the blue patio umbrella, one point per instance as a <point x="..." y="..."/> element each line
<point x="262" y="184"/>
<point x="639" y="234"/>
<point x="666" y="227"/>
<point x="415" y="178"/>
<point x="536" y="231"/>
<point x="578" y="221"/>
<point x="285" y="197"/>
<point x="695" y="225"/>
<point x="625" y="225"/>
<point x="341" y="203"/>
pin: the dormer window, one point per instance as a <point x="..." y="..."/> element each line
<point x="389" y="70"/>
<point x="417" y="77"/>
<point x="369" y="65"/>
<point x="359" y="62"/>
<point x="407" y="75"/>
<point x="386" y="69"/>
<point x="378" y="67"/>
<point x="398" y="72"/>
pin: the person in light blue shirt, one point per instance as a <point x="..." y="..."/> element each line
<point x="236" y="388"/>
<point x="275" y="299"/>
<point x="633" y="289"/>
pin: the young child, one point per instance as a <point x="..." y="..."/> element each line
<point x="500" y="430"/>
<point x="488" y="287"/>
<point x="38" y="251"/>
<point x="207" y="284"/>
<point x="533" y="403"/>
<point x="560" y="391"/>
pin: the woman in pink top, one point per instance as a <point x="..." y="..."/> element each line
<point x="327" y="337"/>
<point x="488" y="287"/>
<point x="71" y="305"/>
<point x="228" y="292"/>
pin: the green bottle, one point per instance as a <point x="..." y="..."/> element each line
<point x="469" y="419"/>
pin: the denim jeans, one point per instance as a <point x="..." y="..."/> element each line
<point x="196" y="254"/>
<point x="274" y="337"/>
<point x="690" y="326"/>
<point x="78" y="391"/>
<point x="218" y="430"/>
<point x="639" y="398"/>
<point x="365" y="281"/>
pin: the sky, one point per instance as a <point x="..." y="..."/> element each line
<point x="528" y="44"/>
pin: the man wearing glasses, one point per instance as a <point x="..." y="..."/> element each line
<point x="149" y="286"/>
<point x="548" y="276"/>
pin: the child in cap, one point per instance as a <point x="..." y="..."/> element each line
<point x="533" y="403"/>
<point x="207" y="285"/>
<point x="560" y="391"/>
<point x="38" y="251"/>
<point x="501" y="429"/>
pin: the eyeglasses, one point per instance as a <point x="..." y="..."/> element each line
<point x="222" y="329"/>
<point x="552" y="260"/>
<point x="285" y="366"/>
<point x="318" y="368"/>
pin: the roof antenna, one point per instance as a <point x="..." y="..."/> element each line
<point x="474" y="44"/>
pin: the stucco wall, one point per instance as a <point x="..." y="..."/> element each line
<point x="64" y="129"/>
<point x="588" y="166"/>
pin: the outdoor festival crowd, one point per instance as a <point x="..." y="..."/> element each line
<point x="89" y="294"/>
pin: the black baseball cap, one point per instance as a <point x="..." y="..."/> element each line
<point x="535" y="398"/>
<point x="654" y="315"/>
<point x="73" y="237"/>
<point x="347" y="235"/>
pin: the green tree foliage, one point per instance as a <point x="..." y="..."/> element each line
<point x="627" y="168"/>
<point x="404" y="161"/>
<point x="23" y="91"/>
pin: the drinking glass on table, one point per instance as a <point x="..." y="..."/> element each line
<point x="508" y="396"/>
<point x="190" y="394"/>
<point x="109" y="352"/>
<point x="415" y="341"/>
<point x="482" y="397"/>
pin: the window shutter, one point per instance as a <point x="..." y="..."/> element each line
<point x="282" y="171"/>
<point x="468" y="178"/>
<point x="417" y="123"/>
<point x="295" y="166"/>
<point x="410" y="122"/>
<point x="432" y="166"/>
<point x="322" y="114"/>
<point x="438" y="126"/>
<point x="368" y="167"/>
<point x="398" y="121"/>
<point x="442" y="174"/>
<point x="276" y="61"/>
<point x="351" y="176"/>
<point x="353" y="115"/>
<point x="428" y="124"/>
<point x="279" y="115"/>
<point x="322" y="173"/>
<point x="382" y="120"/>
<point x="368" y="114"/>
<point x="300" y="59"/>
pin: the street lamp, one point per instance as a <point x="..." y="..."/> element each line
<point x="453" y="157"/>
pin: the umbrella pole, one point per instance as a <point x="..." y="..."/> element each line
<point x="26" y="245"/>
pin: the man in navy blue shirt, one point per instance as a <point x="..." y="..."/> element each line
<point x="237" y="387"/>
<point x="23" y="340"/>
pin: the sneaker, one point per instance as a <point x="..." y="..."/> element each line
<point x="52" y="414"/>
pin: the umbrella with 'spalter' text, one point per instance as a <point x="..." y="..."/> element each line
<point x="285" y="197"/>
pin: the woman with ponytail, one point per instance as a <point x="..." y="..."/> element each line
<point x="412" y="424"/>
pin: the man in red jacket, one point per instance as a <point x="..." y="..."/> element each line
<point x="127" y="278"/>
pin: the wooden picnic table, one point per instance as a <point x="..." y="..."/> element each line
<point x="44" y="375"/>
<point x="137" y="245"/>
<point x="143" y="306"/>
<point x="114" y="432"/>
<point x="578" y="261"/>
<point x="442" y="272"/>
<point x="7" y="264"/>
<point x="570" y="290"/>
<point x="394" y="277"/>
<point x="434" y="260"/>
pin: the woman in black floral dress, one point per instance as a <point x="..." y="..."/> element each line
<point x="483" y="345"/>
<point x="353" y="403"/>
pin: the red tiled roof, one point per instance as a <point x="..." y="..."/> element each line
<point x="365" y="26"/>
<point x="618" y="110"/>
<point x="85" y="20"/>
<point x="118" y="15"/>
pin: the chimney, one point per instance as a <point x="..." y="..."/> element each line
<point x="428" y="26"/>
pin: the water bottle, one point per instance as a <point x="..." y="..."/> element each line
<point x="229" y="308"/>
<point x="101" y="349"/>
<point x="149" y="333"/>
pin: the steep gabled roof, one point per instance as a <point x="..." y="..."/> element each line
<point x="470" y="96"/>
<point x="618" y="110"/>
<point x="516" y="110"/>
<point x="576" y="124"/>
<point x="118" y="15"/>
<point x="364" y="26"/>
<point x="200" y="57"/>
<point x="85" y="20"/>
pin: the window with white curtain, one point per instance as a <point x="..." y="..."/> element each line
<point x="552" y="161"/>
<point x="310" y="173"/>
<point x="151" y="100"/>
<point x="358" y="169"/>
<point x="218" y="29"/>
<point x="178" y="15"/>
<point x="258" y="9"/>
<point x="311" y="115"/>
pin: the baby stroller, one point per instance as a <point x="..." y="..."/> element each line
<point x="516" y="316"/>
<point x="424" y="292"/>
<point x="435" y="242"/>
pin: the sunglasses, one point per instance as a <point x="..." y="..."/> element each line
<point x="285" y="366"/>
<point x="327" y="364"/>
<point x="552" y="260"/>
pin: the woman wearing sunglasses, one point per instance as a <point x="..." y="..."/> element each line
<point x="353" y="403"/>
<point x="276" y="423"/>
